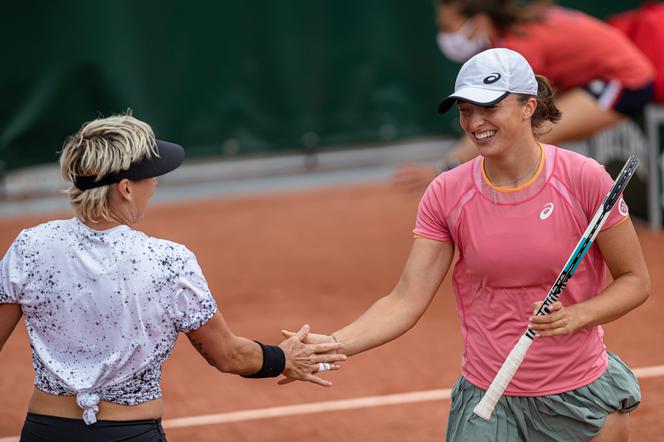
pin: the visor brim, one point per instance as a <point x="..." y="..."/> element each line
<point x="170" y="156"/>
<point x="478" y="96"/>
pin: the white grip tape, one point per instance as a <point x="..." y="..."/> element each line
<point x="504" y="376"/>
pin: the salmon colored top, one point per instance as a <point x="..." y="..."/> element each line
<point x="511" y="245"/>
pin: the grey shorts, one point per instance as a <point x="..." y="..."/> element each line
<point x="576" y="415"/>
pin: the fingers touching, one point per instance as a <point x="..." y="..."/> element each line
<point x="307" y="354"/>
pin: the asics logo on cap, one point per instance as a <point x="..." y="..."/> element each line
<point x="495" y="76"/>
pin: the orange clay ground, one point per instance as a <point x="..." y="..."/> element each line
<point x="322" y="257"/>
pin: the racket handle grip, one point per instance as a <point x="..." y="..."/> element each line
<point x="504" y="376"/>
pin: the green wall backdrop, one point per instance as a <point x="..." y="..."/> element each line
<point x="226" y="78"/>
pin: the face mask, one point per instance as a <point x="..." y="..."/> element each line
<point x="458" y="47"/>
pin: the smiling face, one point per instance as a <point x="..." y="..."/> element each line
<point x="494" y="129"/>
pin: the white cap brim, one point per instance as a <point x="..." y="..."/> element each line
<point x="474" y="95"/>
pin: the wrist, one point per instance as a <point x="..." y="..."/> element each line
<point x="581" y="316"/>
<point x="274" y="362"/>
<point x="335" y="340"/>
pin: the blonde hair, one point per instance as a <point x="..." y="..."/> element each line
<point x="103" y="146"/>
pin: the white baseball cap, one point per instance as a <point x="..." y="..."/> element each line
<point x="490" y="76"/>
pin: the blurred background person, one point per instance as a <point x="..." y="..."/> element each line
<point x="601" y="77"/>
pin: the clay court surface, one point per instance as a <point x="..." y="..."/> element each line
<point x="322" y="257"/>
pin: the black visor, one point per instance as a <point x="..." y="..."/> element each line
<point x="170" y="157"/>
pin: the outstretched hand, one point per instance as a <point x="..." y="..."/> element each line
<point x="305" y="354"/>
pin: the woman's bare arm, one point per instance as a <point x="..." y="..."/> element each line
<point x="234" y="354"/>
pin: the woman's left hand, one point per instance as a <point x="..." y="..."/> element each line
<point x="561" y="320"/>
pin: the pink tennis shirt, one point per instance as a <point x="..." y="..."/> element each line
<point x="511" y="245"/>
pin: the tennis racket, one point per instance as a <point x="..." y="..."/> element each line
<point x="514" y="359"/>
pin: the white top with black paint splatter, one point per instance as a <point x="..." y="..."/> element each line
<point x="102" y="308"/>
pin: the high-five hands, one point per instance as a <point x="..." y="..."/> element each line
<point x="328" y="351"/>
<point x="307" y="355"/>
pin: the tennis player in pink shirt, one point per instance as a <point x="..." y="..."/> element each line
<point x="513" y="215"/>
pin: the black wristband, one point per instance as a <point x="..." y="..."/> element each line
<point x="274" y="362"/>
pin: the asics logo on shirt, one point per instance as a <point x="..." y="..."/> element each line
<point x="547" y="211"/>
